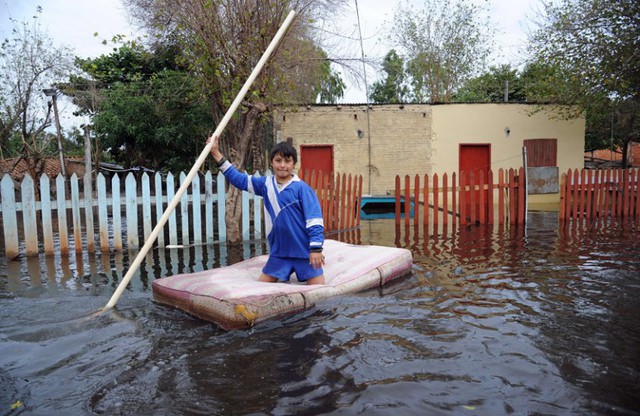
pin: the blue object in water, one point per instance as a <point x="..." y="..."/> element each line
<point x="382" y="206"/>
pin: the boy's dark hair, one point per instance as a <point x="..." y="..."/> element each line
<point x="286" y="150"/>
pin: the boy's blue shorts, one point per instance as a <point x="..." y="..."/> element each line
<point x="282" y="267"/>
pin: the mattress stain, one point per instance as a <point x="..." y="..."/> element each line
<point x="245" y="313"/>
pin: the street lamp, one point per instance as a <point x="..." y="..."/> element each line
<point x="53" y="93"/>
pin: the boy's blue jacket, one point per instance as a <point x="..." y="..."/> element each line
<point x="293" y="217"/>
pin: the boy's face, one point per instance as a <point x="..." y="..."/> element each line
<point x="282" y="167"/>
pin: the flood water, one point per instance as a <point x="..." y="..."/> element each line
<point x="492" y="322"/>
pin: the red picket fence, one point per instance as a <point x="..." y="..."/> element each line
<point x="595" y="194"/>
<point x="339" y="196"/>
<point x="469" y="198"/>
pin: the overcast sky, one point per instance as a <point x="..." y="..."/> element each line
<point x="74" y="22"/>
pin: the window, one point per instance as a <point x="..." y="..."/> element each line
<point x="541" y="152"/>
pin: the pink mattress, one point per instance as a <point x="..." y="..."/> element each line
<point x="232" y="297"/>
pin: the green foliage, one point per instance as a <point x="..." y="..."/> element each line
<point x="11" y="143"/>
<point x="593" y="46"/>
<point x="538" y="82"/>
<point x="322" y="83"/>
<point x="330" y="86"/>
<point x="222" y="41"/>
<point x="150" y="112"/>
<point x="73" y="143"/>
<point x="544" y="82"/>
<point x="393" y="88"/>
<point x="490" y="87"/>
<point x="596" y="41"/>
<point x="446" y="42"/>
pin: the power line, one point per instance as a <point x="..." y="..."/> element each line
<point x="366" y="91"/>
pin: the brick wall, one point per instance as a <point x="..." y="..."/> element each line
<point x="400" y="139"/>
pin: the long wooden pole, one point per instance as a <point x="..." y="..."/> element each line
<point x="205" y="153"/>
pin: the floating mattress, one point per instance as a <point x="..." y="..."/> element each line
<point x="232" y="297"/>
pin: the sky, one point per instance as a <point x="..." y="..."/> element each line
<point x="510" y="18"/>
<point x="74" y="22"/>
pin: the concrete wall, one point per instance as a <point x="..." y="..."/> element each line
<point x="486" y="123"/>
<point x="398" y="143"/>
<point x="418" y="138"/>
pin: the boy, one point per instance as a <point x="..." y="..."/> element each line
<point x="293" y="217"/>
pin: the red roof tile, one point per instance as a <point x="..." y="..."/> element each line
<point x="74" y="164"/>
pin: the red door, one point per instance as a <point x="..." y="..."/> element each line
<point x="476" y="158"/>
<point x="316" y="157"/>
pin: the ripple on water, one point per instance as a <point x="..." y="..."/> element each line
<point x="492" y="321"/>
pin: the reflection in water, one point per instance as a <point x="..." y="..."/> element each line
<point x="516" y="320"/>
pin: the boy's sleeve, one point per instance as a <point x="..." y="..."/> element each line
<point x="242" y="181"/>
<point x="313" y="217"/>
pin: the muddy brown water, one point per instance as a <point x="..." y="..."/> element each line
<point x="531" y="320"/>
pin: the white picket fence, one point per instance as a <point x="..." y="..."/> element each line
<point x="124" y="218"/>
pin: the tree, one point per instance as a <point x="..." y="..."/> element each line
<point x="490" y="87"/>
<point x="393" y="88"/>
<point x="29" y="63"/>
<point x="222" y="41"/>
<point x="446" y="43"/>
<point x="331" y="85"/>
<point x="594" y="45"/>
<point x="146" y="107"/>
<point x="544" y="82"/>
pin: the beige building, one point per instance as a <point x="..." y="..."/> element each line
<point x="382" y="141"/>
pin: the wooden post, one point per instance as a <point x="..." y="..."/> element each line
<point x="426" y="199"/>
<point x="589" y="190"/>
<point x="350" y="214"/>
<point x="45" y="211"/>
<point x="88" y="191"/>
<point x="627" y="191"/>
<point x="581" y="195"/>
<point x="445" y="200"/>
<point x="577" y="190"/>
<point x="331" y="187"/>
<point x="501" y="186"/>
<point x="563" y="197"/>
<point x="359" y="199"/>
<point x="436" y="201"/>
<point x="608" y="204"/>
<point x="63" y="231"/>
<point x="416" y="201"/>
<point x="407" y="199"/>
<point x="9" y="217"/>
<point x="454" y="191"/>
<point x="620" y="190"/>
<point x="513" y="197"/>
<point x="75" y="213"/>
<point x="28" y="193"/>
<point x="398" y="201"/>
<point x="637" y="196"/>
<point x="490" y="187"/>
<point x="522" y="196"/>
<point x="343" y="197"/>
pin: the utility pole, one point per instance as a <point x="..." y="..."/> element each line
<point x="53" y="93"/>
<point x="506" y="91"/>
<point x="88" y="172"/>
